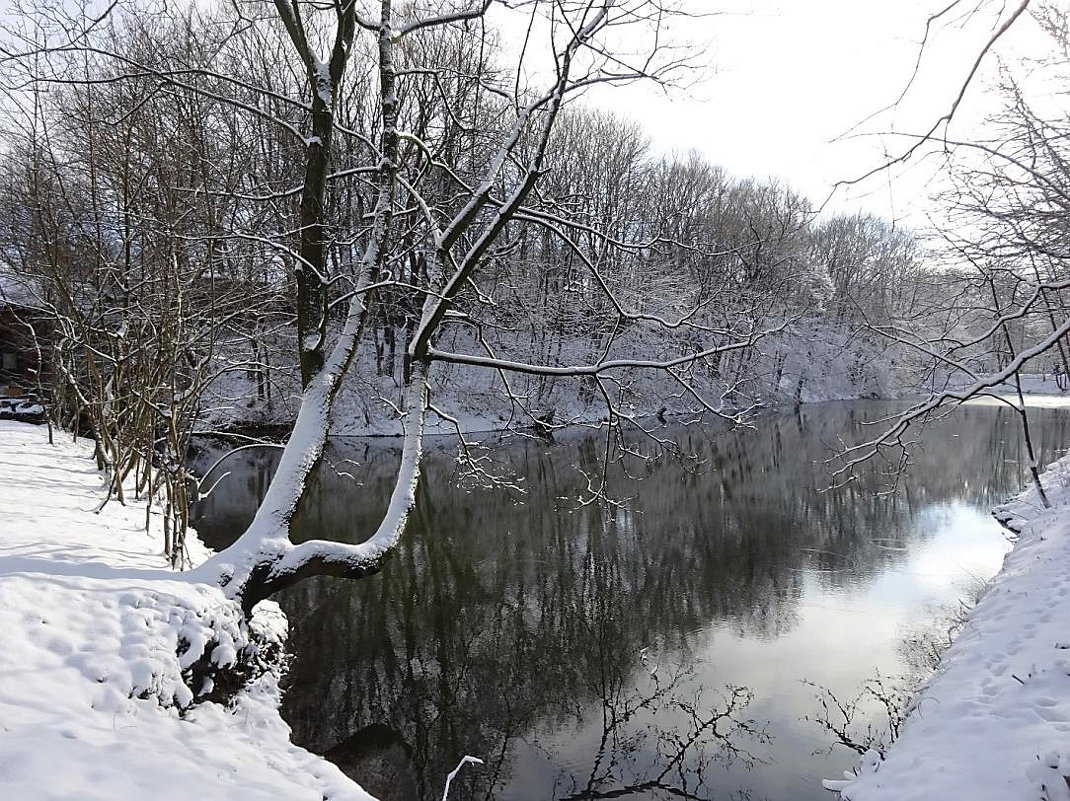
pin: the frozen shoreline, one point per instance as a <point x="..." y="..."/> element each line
<point x="94" y="697"/>
<point x="993" y="722"/>
<point x="484" y="412"/>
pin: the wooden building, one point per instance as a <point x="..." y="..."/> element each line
<point x="23" y="333"/>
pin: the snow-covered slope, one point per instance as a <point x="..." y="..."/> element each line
<point x="94" y="695"/>
<point x="993" y="724"/>
<point x="820" y="361"/>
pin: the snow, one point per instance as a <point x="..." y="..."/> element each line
<point x="817" y="362"/>
<point x="1041" y="389"/>
<point x="99" y="640"/>
<point x="15" y="288"/>
<point x="993" y="724"/>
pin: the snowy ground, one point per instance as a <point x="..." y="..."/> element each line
<point x="92" y="689"/>
<point x="1040" y="390"/>
<point x="993" y="724"/>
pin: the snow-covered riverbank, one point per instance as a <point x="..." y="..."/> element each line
<point x="92" y="686"/>
<point x="819" y="362"/>
<point x="993" y="723"/>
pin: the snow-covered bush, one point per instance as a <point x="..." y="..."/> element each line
<point x="178" y="648"/>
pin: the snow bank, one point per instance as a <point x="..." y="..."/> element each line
<point x="819" y="361"/>
<point x="1041" y="391"/>
<point x="100" y="641"/>
<point x="993" y="724"/>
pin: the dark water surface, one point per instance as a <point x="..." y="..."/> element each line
<point x="610" y="651"/>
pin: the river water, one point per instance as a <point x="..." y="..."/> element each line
<point x="673" y="643"/>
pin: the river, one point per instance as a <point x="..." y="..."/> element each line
<point x="671" y="643"/>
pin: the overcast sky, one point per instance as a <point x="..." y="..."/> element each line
<point x="790" y="77"/>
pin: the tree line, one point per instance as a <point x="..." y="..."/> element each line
<point x="204" y="195"/>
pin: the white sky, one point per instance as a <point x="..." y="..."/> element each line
<point x="789" y="79"/>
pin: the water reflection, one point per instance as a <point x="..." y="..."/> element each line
<point x="523" y="631"/>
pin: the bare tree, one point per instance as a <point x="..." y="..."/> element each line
<point x="114" y="181"/>
<point x="454" y="233"/>
<point x="999" y="310"/>
<point x="441" y="202"/>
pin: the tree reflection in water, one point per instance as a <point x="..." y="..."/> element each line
<point x="638" y="755"/>
<point x="512" y="629"/>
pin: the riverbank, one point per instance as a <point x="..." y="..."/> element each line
<point x="473" y="401"/>
<point x="826" y="364"/>
<point x="99" y="641"/>
<point x="993" y="723"/>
